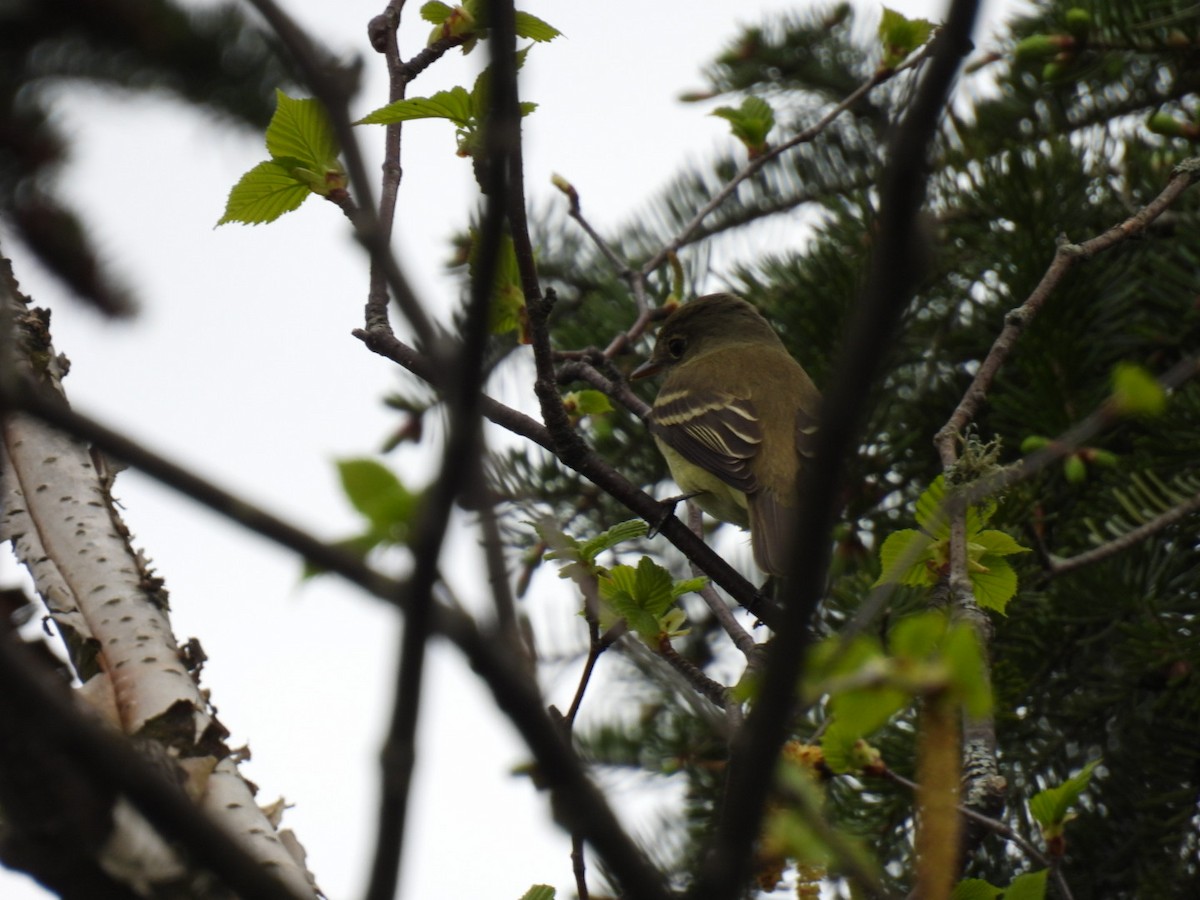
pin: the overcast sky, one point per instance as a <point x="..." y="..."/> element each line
<point x="241" y="365"/>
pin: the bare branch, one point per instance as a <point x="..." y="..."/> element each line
<point x="741" y="638"/>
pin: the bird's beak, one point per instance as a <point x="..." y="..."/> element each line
<point x="650" y="367"/>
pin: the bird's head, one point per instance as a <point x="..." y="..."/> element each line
<point x="707" y="323"/>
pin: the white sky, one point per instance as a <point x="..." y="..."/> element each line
<point x="241" y="365"/>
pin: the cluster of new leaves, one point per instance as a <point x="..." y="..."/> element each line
<point x="922" y="557"/>
<point x="866" y="687"/>
<point x="644" y="596"/>
<point x="304" y="152"/>
<point x="304" y="161"/>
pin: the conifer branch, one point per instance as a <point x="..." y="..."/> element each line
<point x="1066" y="256"/>
<point x="1061" y="566"/>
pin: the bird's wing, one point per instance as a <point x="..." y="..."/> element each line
<point x="716" y="430"/>
<point x="806" y="432"/>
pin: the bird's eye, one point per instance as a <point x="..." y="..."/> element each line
<point x="676" y="346"/>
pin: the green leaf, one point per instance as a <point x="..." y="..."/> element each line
<point x="378" y="495"/>
<point x="997" y="543"/>
<point x="832" y="658"/>
<point x="967" y="671"/>
<point x="1136" y="392"/>
<point x="750" y="123"/>
<point x="1051" y="807"/>
<point x="1038" y="46"/>
<point x="838" y="745"/>
<point x="918" y="637"/>
<point x="688" y="585"/>
<point x="623" y="531"/>
<point x="619" y="588"/>
<point x="359" y="545"/>
<point x="264" y="194"/>
<point x="1074" y="469"/>
<point x="919" y="557"/>
<point x="301" y="129"/>
<point x="452" y="21"/>
<point x="588" y="403"/>
<point x="929" y="513"/>
<point x="845" y="751"/>
<point x="975" y="889"/>
<point x="530" y="26"/>
<point x="1028" y="886"/>
<point x="994" y="587"/>
<point x="863" y="711"/>
<point x="454" y="104"/>
<point x="507" y="310"/>
<point x="640" y="595"/>
<point x="900" y="36"/>
<point x="903" y="559"/>
<point x="436" y="12"/>
<point x="654" y="587"/>
<point x="539" y="892"/>
<point x="1034" y="442"/>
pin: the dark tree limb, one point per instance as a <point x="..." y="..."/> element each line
<point x="893" y="275"/>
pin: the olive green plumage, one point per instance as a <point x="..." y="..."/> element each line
<point x="735" y="418"/>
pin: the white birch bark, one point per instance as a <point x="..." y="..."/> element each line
<point x="111" y="611"/>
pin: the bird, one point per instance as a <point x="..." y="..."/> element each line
<point x="735" y="418"/>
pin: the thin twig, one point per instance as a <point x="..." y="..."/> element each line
<point x="759" y="162"/>
<point x="497" y="567"/>
<point x="383" y="30"/>
<point x="1002" y="830"/>
<point x="741" y="638"/>
<point x="618" y="390"/>
<point x="575" y="211"/>
<point x="427" y="57"/>
<point x="716" y="692"/>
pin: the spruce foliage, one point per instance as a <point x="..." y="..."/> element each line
<point x="1096" y="663"/>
